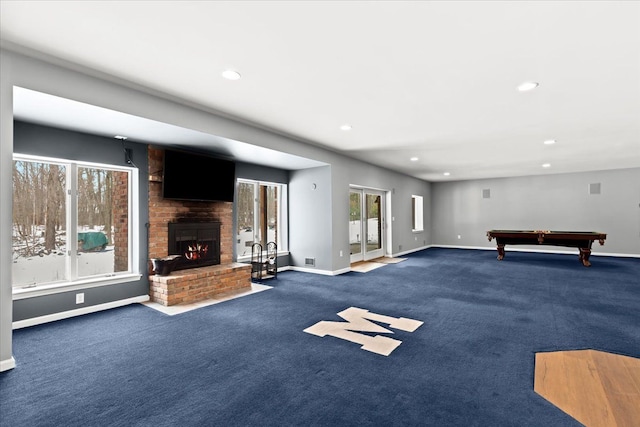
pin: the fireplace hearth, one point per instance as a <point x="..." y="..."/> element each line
<point x="196" y="280"/>
<point x="197" y="243"/>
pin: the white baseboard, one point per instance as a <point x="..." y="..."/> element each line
<point x="399" y="254"/>
<point x="5" y="365"/>
<point x="513" y="248"/>
<point x="78" y="312"/>
<point x="322" y="272"/>
<point x="483" y="248"/>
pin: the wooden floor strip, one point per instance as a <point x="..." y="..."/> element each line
<point x="365" y="266"/>
<point x="387" y="260"/>
<point x="596" y="388"/>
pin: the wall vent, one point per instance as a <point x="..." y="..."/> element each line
<point x="594" y="188"/>
<point x="310" y="262"/>
<point x="486" y="193"/>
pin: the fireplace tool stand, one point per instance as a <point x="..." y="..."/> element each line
<point x="264" y="264"/>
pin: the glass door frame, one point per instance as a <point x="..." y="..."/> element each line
<point x="364" y="254"/>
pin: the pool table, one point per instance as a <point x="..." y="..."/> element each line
<point x="575" y="239"/>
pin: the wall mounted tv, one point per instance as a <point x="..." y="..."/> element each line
<point x="192" y="176"/>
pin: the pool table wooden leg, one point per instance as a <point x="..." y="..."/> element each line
<point x="500" y="252"/>
<point x="584" y="256"/>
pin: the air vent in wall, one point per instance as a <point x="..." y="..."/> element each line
<point x="310" y="262"/>
<point x="486" y="193"/>
<point x="594" y="188"/>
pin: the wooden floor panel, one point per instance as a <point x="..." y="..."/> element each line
<point x="596" y="388"/>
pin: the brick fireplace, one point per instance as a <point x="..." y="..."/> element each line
<point x="189" y="285"/>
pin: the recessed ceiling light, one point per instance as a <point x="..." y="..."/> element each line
<point x="446" y="174"/>
<point x="231" y="75"/>
<point x="546" y="165"/>
<point x="550" y="142"/>
<point x="414" y="159"/>
<point x="526" y="86"/>
<point x="121" y="137"/>
<point x="345" y="127"/>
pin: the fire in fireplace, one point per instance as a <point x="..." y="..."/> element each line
<point x="197" y="251"/>
<point x="197" y="243"/>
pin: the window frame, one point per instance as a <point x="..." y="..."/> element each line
<point x="282" y="217"/>
<point x="74" y="282"/>
<point x="417" y="213"/>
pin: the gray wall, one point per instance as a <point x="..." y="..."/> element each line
<point x="30" y="308"/>
<point x="6" y="212"/>
<point x="318" y="218"/>
<point x="261" y="173"/>
<point x="400" y="188"/>
<point x="544" y="202"/>
<point x="47" y="141"/>
<point x="309" y="211"/>
<point x="325" y="228"/>
<point x="312" y="235"/>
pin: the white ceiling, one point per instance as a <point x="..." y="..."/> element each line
<point x="431" y="79"/>
<point x="45" y="109"/>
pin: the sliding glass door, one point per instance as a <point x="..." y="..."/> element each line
<point x="366" y="224"/>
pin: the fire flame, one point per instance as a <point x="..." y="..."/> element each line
<point x="196" y="252"/>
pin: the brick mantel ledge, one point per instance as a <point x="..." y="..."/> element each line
<point x="197" y="284"/>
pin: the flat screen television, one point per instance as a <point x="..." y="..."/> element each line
<point x="192" y="176"/>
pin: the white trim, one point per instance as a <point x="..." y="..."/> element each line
<point x="72" y="282"/>
<point x="366" y="187"/>
<point x="385" y="211"/>
<point x="398" y="254"/>
<point x="388" y="224"/>
<point x="418" y="213"/>
<point x="616" y="255"/>
<point x="38" y="291"/>
<point x="322" y="272"/>
<point x="283" y="216"/>
<point x="78" y="312"/>
<point x="59" y="161"/>
<point x="342" y="271"/>
<point x="5" y="365"/>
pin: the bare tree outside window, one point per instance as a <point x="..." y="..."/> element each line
<point x="41" y="214"/>
<point x="258" y="214"/>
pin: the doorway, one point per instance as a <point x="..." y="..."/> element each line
<point x="366" y="224"/>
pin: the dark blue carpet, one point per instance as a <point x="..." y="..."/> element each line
<point x="247" y="362"/>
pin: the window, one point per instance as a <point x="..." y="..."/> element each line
<point x="417" y="216"/>
<point x="53" y="196"/>
<point x="261" y="216"/>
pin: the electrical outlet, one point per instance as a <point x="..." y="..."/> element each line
<point x="80" y="298"/>
<point x="340" y="253"/>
